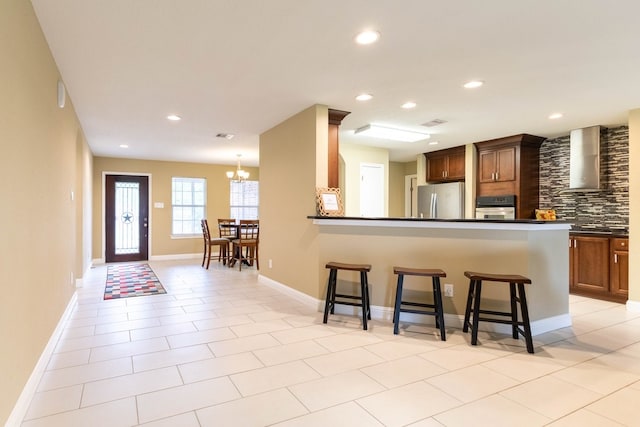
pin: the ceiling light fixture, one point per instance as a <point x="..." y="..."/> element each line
<point x="367" y="37"/>
<point x="173" y="117"/>
<point x="238" y="175"/>
<point x="555" y="116"/>
<point x="433" y="143"/>
<point x="225" y="135"/>
<point x="383" y="132"/>
<point x="473" y="84"/>
<point x="364" y="97"/>
<point x="409" y="105"/>
<point x="124" y="146"/>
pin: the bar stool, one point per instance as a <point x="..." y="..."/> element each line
<point x="436" y="307"/>
<point x="474" y="296"/>
<point x="331" y="302"/>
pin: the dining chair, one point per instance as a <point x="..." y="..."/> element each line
<point x="227" y="229"/>
<point x="247" y="241"/>
<point x="209" y="242"/>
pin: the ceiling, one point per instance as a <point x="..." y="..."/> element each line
<point x="241" y="67"/>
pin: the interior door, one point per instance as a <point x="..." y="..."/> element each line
<point x="371" y="190"/>
<point x="126" y="218"/>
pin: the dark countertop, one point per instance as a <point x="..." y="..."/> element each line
<point x="501" y="221"/>
<point x="599" y="231"/>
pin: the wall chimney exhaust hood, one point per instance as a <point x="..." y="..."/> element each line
<point x="584" y="159"/>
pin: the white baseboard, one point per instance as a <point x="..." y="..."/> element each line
<point x="633" y="306"/>
<point x="22" y="405"/>
<point x="293" y="293"/>
<point x="174" y="257"/>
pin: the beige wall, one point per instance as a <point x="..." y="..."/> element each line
<point x="634" y="206"/>
<point x="353" y="155"/>
<point x="160" y="173"/>
<point x="396" y="189"/>
<point x="44" y="156"/>
<point x="287" y="197"/>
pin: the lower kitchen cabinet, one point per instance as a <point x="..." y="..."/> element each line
<point x="599" y="267"/>
<point x="620" y="267"/>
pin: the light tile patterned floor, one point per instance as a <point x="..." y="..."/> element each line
<point x="222" y="349"/>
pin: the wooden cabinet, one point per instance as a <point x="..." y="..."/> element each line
<point x="619" y="285"/>
<point x="446" y="165"/>
<point x="497" y="165"/>
<point x="510" y="166"/>
<point x="599" y="267"/>
<point x="589" y="265"/>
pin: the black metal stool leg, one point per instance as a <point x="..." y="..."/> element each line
<point x="328" y="304"/>
<point x="363" y="292"/>
<point x="467" y="311"/>
<point x="514" y="310"/>
<point x="476" y="312"/>
<point x="525" y="318"/>
<point x="396" y="310"/>
<point x="366" y="288"/>
<point x="437" y="295"/>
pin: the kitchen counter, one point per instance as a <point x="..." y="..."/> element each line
<point x="599" y="231"/>
<point x="536" y="249"/>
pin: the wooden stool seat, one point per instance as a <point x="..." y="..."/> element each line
<point x="517" y="295"/>
<point x="435" y="308"/>
<point x="363" y="298"/>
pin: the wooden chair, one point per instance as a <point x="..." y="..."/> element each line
<point x="245" y="247"/>
<point x="228" y="229"/>
<point x="209" y="242"/>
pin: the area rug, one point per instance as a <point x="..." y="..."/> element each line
<point x="131" y="280"/>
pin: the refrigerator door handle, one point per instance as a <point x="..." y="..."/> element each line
<point x="434" y="205"/>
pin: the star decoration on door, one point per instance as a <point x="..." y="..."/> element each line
<point x="127" y="217"/>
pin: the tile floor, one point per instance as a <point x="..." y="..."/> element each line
<point x="222" y="349"/>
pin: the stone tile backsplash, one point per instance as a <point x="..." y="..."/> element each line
<point x="606" y="208"/>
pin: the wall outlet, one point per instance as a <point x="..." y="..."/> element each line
<point x="448" y="290"/>
<point x="270" y="264"/>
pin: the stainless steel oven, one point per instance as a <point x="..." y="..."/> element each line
<point x="496" y="207"/>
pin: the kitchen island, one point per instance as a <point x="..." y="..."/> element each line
<point x="536" y="249"/>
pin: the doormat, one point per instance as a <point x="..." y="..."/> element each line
<point x="131" y="280"/>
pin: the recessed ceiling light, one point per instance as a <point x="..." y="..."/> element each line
<point x="409" y="105"/>
<point x="173" y="117"/>
<point x="225" y="135"/>
<point x="473" y="84"/>
<point x="367" y="37"/>
<point x="555" y="116"/>
<point x="124" y="146"/>
<point x="364" y="97"/>
<point x="433" y="143"/>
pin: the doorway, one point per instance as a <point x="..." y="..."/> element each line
<point x="411" y="196"/>
<point x="371" y="189"/>
<point x="126" y="218"/>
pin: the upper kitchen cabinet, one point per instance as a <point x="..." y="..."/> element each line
<point x="446" y="165"/>
<point x="510" y="166"/>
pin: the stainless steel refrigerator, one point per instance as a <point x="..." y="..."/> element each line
<point x="442" y="201"/>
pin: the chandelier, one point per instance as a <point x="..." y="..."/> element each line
<point x="238" y="175"/>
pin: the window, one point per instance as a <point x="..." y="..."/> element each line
<point x="244" y="200"/>
<point x="188" y="204"/>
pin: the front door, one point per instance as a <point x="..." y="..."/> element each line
<point x="126" y="218"/>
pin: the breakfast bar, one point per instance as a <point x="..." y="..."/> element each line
<point x="535" y="249"/>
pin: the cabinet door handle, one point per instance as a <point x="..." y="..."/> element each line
<point x="497" y="175"/>
<point x="615" y="258"/>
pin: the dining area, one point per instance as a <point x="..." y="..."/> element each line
<point x="236" y="242"/>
